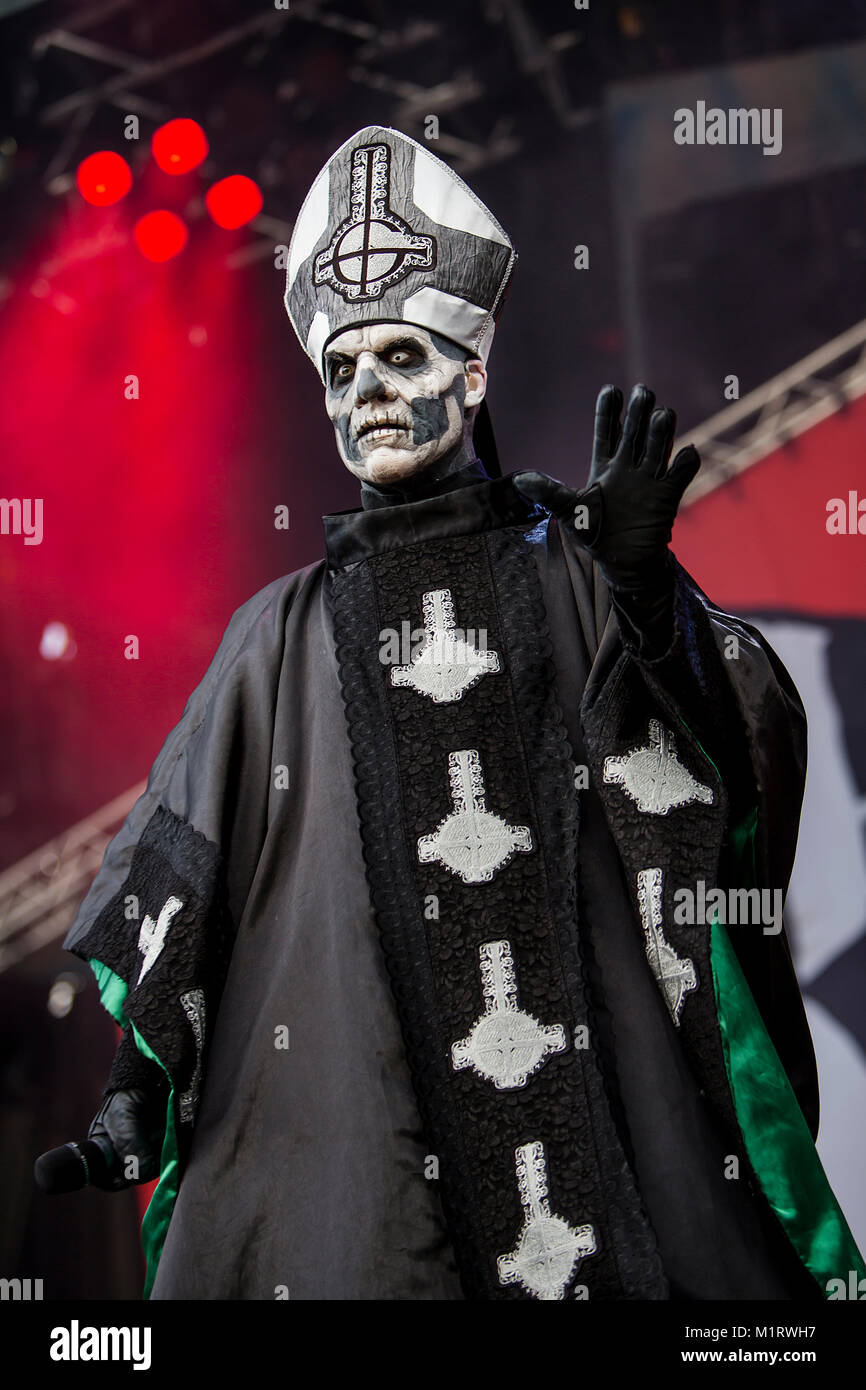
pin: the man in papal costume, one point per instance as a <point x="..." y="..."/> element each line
<point x="420" y="936"/>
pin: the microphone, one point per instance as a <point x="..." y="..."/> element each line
<point x="92" y="1163"/>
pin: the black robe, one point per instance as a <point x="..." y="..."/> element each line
<point x="283" y="934"/>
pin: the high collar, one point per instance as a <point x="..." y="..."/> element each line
<point x="464" y="508"/>
<point x="416" y="490"/>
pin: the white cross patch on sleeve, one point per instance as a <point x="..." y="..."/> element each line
<point x="676" y="975"/>
<point x="151" y="937"/>
<point x="654" y="777"/>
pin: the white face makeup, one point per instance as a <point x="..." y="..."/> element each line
<point x="397" y="396"/>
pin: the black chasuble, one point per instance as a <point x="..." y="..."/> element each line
<point x="409" y="949"/>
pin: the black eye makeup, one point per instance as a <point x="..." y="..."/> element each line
<point x="334" y="367"/>
<point x="410" y="347"/>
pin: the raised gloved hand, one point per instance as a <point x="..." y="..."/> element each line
<point x="132" y="1123"/>
<point x="625" y="515"/>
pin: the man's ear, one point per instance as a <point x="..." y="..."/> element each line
<point x="476" y="382"/>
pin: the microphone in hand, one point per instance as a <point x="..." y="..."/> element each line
<point x="122" y="1148"/>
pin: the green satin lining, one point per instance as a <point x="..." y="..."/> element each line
<point x="777" y="1138"/>
<point x="112" y="992"/>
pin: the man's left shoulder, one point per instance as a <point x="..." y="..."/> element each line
<point x="263" y="616"/>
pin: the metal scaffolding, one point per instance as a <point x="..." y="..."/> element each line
<point x="775" y="413"/>
<point x="40" y="894"/>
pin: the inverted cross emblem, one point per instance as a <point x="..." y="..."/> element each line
<point x="548" y="1250"/>
<point x="446" y="665"/>
<point x="654" y="777"/>
<point x="505" y="1045"/>
<point x="151" y="937"/>
<point x="471" y="841"/>
<point x="676" y="976"/>
<point x="373" y="247"/>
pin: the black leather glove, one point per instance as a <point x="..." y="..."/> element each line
<point x="625" y="515"/>
<point x="133" y="1123"/>
<point x="131" y="1120"/>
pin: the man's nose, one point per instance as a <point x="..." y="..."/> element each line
<point x="368" y="383"/>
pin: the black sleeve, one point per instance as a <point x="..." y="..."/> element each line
<point x="666" y="630"/>
<point x="747" y="715"/>
<point x="132" y="1070"/>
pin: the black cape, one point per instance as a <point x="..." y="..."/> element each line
<point x="280" y="930"/>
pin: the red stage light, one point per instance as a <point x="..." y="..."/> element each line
<point x="103" y="178"/>
<point x="160" y="235"/>
<point x="234" y="201"/>
<point x="179" y="146"/>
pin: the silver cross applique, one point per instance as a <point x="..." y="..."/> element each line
<point x="446" y="665"/>
<point x="192" y="1002"/>
<point x="654" y="777"/>
<point x="471" y="841"/>
<point x="505" y="1045"/>
<point x="676" y="975"/>
<point x="548" y="1249"/>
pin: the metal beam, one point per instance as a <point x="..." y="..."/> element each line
<point x="41" y="893"/>
<point x="788" y="404"/>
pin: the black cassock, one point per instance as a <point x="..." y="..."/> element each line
<point x="402" y="922"/>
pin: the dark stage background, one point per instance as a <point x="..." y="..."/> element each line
<point x="703" y="264"/>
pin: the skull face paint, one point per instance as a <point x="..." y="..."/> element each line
<point x="397" y="396"/>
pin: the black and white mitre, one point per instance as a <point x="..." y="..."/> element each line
<point x="389" y="233"/>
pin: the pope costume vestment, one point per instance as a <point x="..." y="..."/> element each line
<point x="396" y="925"/>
